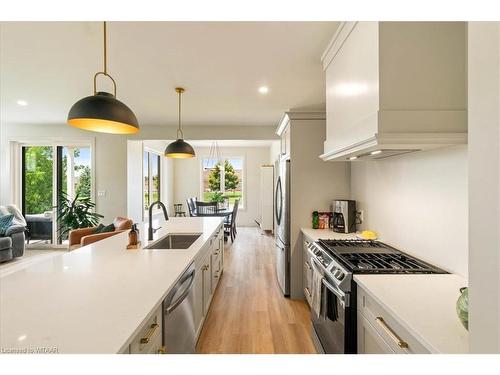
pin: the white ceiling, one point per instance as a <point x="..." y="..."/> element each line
<point x="50" y="65"/>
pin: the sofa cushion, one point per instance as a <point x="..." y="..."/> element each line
<point x="5" y="223"/>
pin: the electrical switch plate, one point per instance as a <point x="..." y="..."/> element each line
<point x="101" y="193"/>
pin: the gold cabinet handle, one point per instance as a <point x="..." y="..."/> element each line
<point x="402" y="344"/>
<point x="162" y="350"/>
<point x="150" y="333"/>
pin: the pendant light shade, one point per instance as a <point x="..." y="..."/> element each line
<point x="102" y="112"/>
<point x="179" y="149"/>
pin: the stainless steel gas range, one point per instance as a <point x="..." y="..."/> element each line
<point x="334" y="262"/>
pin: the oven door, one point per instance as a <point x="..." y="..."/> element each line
<point x="334" y="326"/>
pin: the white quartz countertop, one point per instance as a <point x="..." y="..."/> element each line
<point x="94" y="299"/>
<point x="327" y="234"/>
<point x="424" y="305"/>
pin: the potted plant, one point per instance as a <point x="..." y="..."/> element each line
<point x="76" y="213"/>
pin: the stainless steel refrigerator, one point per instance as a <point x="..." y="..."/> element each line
<point x="282" y="220"/>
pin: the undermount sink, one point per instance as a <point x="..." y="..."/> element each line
<point x="175" y="241"/>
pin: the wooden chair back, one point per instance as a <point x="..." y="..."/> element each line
<point x="206" y="208"/>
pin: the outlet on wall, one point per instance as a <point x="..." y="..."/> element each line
<point x="361" y="216"/>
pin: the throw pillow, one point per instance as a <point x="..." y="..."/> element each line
<point x="98" y="228"/>
<point x="5" y="223"/>
<point x="18" y="216"/>
<point x="104" y="229"/>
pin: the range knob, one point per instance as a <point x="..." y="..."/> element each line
<point x="338" y="274"/>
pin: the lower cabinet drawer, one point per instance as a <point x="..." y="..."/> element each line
<point x="369" y="340"/>
<point x="148" y="340"/>
<point x="393" y="333"/>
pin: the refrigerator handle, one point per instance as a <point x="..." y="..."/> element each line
<point x="276" y="200"/>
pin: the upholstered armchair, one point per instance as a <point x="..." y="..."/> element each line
<point x="85" y="236"/>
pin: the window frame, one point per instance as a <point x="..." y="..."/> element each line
<point x="242" y="205"/>
<point x="150" y="153"/>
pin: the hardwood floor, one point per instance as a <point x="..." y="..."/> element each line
<point x="249" y="313"/>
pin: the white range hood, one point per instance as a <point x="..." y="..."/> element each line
<point x="394" y="88"/>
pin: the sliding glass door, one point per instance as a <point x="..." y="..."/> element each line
<point x="50" y="173"/>
<point x="38" y="192"/>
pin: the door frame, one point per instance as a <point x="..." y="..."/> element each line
<point x="16" y="163"/>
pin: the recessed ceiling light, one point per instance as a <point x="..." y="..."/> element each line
<point x="263" y="89"/>
<point x="22" y="103"/>
<point x="353" y="158"/>
<point x="376" y="152"/>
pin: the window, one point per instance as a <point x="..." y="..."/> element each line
<point x="226" y="180"/>
<point x="152" y="185"/>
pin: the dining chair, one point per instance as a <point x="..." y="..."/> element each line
<point x="230" y="224"/>
<point x="191" y="204"/>
<point x="206" y="208"/>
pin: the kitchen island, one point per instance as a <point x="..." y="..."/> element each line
<point x="95" y="299"/>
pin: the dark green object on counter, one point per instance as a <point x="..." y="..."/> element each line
<point x="315" y="220"/>
<point x="463" y="307"/>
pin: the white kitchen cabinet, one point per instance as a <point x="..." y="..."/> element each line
<point x="209" y="266"/>
<point x="307" y="270"/>
<point x="216" y="259"/>
<point x="369" y="340"/>
<point x="380" y="332"/>
<point x="395" y="87"/>
<point x="149" y="338"/>
<point x="207" y="282"/>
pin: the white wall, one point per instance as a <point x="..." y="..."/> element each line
<point x="274" y="151"/>
<point x="418" y="203"/>
<point x="484" y="186"/>
<point x="187" y="176"/>
<point x="135" y="184"/>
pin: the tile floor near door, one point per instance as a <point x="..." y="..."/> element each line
<point x="249" y="313"/>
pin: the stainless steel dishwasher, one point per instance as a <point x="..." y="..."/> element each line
<point x="178" y="315"/>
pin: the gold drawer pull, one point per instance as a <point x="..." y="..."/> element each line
<point x="402" y="344"/>
<point x="162" y="350"/>
<point x="150" y="333"/>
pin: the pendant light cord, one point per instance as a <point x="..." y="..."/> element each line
<point x="105" y="71"/>
<point x="179" y="131"/>
<point x="105" y="50"/>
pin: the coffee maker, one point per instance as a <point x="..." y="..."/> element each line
<point x="344" y="216"/>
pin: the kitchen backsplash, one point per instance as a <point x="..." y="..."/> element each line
<point x="418" y="203"/>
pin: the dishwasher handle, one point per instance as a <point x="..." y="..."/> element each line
<point x="178" y="301"/>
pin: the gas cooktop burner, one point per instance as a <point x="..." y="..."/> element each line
<point x="367" y="256"/>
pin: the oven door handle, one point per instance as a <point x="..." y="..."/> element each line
<point x="343" y="298"/>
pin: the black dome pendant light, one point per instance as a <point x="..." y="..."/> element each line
<point x="102" y="112"/>
<point x="179" y="149"/>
